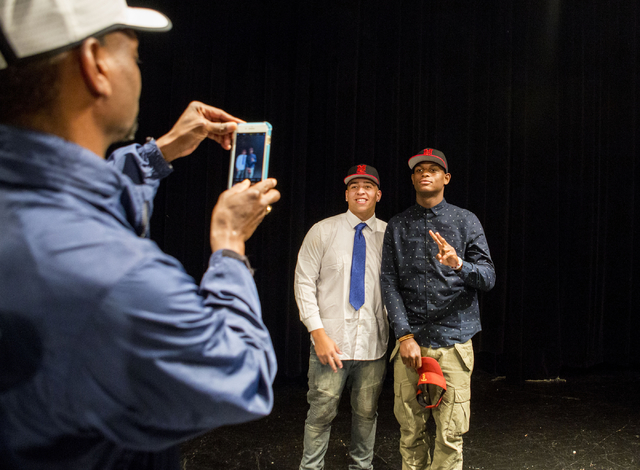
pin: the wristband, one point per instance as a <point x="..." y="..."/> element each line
<point x="458" y="266"/>
<point x="232" y="254"/>
<point x="405" y="337"/>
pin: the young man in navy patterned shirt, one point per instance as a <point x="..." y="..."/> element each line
<point x="435" y="258"/>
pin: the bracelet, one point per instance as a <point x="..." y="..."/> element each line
<point x="243" y="259"/>
<point x="459" y="265"/>
<point x="405" y="337"/>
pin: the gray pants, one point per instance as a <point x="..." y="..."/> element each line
<point x="364" y="379"/>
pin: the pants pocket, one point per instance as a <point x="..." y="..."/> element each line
<point x="465" y="351"/>
<point x="460" y="413"/>
<point x="406" y="395"/>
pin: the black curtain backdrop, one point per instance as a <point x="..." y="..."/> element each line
<point x="534" y="102"/>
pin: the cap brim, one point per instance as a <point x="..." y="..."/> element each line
<point x="359" y="175"/>
<point x="145" y="19"/>
<point x="413" y="161"/>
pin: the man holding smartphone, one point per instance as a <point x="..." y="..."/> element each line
<point x="337" y="289"/>
<point x="135" y="357"/>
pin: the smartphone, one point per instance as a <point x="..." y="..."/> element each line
<point x="250" y="152"/>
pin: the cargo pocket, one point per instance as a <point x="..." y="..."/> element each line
<point x="406" y="393"/>
<point x="411" y="416"/>
<point x="405" y="406"/>
<point x="465" y="351"/>
<point x="459" y="423"/>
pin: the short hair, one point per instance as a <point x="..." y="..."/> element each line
<point x="29" y="87"/>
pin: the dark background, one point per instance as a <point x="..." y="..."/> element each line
<point x="534" y="102"/>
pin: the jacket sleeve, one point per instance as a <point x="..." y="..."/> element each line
<point x="389" y="281"/>
<point x="196" y="358"/>
<point x="144" y="166"/>
<point x="306" y="277"/>
<point x="478" y="270"/>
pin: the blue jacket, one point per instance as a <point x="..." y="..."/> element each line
<point x="136" y="357"/>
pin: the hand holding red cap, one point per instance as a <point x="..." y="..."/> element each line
<point x="430" y="373"/>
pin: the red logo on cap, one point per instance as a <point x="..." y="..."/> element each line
<point x="428" y="151"/>
<point x="362" y="169"/>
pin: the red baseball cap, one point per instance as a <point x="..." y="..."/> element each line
<point x="430" y="373"/>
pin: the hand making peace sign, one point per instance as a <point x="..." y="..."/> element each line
<point x="446" y="253"/>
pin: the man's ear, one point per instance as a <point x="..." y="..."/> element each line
<point x="93" y="66"/>
<point x="378" y="195"/>
<point x="447" y="178"/>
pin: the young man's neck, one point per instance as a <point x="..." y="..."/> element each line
<point x="429" y="201"/>
<point x="364" y="217"/>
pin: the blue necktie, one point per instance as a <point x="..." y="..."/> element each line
<point x="358" y="261"/>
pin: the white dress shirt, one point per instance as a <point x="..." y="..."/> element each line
<point x="322" y="283"/>
<point x="241" y="161"/>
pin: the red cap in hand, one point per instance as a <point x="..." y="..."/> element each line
<point x="429" y="373"/>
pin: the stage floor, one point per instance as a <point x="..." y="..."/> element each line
<point x="581" y="421"/>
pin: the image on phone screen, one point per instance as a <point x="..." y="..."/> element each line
<point x="249" y="157"/>
<point x="250" y="153"/>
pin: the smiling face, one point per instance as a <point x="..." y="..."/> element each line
<point x="429" y="180"/>
<point x="362" y="194"/>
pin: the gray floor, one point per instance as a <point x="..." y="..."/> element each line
<point x="585" y="421"/>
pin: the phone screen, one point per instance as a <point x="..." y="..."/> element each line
<point x="250" y="153"/>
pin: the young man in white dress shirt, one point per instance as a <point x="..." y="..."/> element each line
<point x="340" y="304"/>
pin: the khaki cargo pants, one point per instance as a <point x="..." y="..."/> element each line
<point x="451" y="417"/>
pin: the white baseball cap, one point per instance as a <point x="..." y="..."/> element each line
<point x="30" y="28"/>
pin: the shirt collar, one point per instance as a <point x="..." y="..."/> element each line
<point x="354" y="220"/>
<point x="438" y="209"/>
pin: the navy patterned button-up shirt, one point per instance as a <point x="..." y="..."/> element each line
<point x="432" y="301"/>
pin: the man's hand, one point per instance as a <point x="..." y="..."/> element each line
<point x="198" y="122"/>
<point x="446" y="253"/>
<point x="326" y="349"/>
<point x="410" y="353"/>
<point x="238" y="213"/>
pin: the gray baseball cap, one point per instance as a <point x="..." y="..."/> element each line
<point x="30" y="28"/>
<point x="430" y="155"/>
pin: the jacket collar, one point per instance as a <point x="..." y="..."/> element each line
<point x="38" y="161"/>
